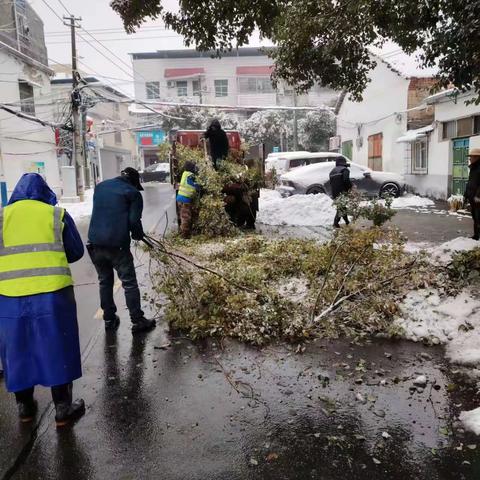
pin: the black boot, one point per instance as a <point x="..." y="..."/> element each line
<point x="113" y="324"/>
<point x="68" y="413"/>
<point x="143" y="325"/>
<point x="27" y="406"/>
<point x="27" y="411"/>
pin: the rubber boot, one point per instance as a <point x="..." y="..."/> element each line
<point x="27" y="406"/>
<point x="69" y="413"/>
<point x="66" y="410"/>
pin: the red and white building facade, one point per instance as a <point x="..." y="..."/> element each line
<point x="240" y="78"/>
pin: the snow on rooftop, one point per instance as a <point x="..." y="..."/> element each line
<point x="408" y="66"/>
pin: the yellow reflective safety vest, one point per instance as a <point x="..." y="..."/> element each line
<point x="184" y="189"/>
<point x="32" y="255"/>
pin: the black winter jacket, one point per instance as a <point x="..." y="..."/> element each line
<point x="473" y="185"/>
<point x="218" y="143"/>
<point x="117" y="213"/>
<point x="340" y="181"/>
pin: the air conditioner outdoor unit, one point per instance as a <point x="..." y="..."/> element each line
<point x="170" y="84"/>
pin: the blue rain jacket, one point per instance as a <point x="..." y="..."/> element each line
<point x="39" y="342"/>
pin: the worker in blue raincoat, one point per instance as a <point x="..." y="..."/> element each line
<point x="39" y="343"/>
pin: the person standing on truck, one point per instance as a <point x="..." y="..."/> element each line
<point x="218" y="139"/>
<point x="117" y="215"/>
<point x="340" y="183"/>
<point x="472" y="191"/>
<point x="187" y="191"/>
<point x="39" y="341"/>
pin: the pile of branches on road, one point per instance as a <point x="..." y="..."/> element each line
<point x="258" y="290"/>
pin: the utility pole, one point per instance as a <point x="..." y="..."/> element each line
<point x="295" y="122"/>
<point x="78" y="146"/>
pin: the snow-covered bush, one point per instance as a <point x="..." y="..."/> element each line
<point x="315" y="130"/>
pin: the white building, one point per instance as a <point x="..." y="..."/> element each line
<point x="456" y="130"/>
<point x="373" y="132"/>
<point x="240" y="78"/>
<point x="25" y="87"/>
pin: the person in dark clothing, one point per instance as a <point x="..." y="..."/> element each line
<point x="218" y="139"/>
<point x="472" y="191"/>
<point x="340" y="183"/>
<point x="117" y="214"/>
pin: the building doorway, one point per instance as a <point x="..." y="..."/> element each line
<point x="460" y="168"/>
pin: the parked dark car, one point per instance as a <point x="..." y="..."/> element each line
<point x="158" y="172"/>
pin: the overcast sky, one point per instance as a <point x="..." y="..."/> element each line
<point x="105" y="25"/>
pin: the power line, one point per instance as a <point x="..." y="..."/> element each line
<point x="107" y="31"/>
<point x="120" y="39"/>
<point x="32" y="118"/>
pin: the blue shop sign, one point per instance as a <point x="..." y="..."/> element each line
<point x="150" y="137"/>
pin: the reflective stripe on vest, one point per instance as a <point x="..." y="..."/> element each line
<point x="32" y="255"/>
<point x="186" y="190"/>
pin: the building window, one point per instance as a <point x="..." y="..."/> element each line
<point x="27" y="103"/>
<point x="118" y="137"/>
<point x="375" y="143"/>
<point x="465" y="127"/>
<point x="476" y="125"/>
<point x="449" y="129"/>
<point x="196" y="88"/>
<point x="420" y="157"/>
<point x="221" y="88"/>
<point x="255" y="85"/>
<point x="153" y="90"/>
<point x="182" y="88"/>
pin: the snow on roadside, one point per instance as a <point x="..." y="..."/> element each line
<point x="443" y="253"/>
<point x="471" y="420"/>
<point x="297" y="210"/>
<point x="412" y="201"/>
<point x="454" y="321"/>
<point x="81" y="210"/>
<point x="315" y="210"/>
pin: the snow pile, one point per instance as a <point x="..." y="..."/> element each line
<point x="314" y="210"/>
<point x="471" y="420"/>
<point x="298" y="210"/>
<point x="80" y="210"/>
<point x="443" y="253"/>
<point x="412" y="201"/>
<point x="454" y="321"/>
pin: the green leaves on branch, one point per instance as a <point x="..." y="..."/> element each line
<point x="355" y="206"/>
<point x="329" y="42"/>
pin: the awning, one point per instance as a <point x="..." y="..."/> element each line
<point x="183" y="72"/>
<point x="255" y="70"/>
<point x="414" y="135"/>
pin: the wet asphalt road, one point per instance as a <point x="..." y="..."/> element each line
<point x="15" y="438"/>
<point x="162" y="407"/>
